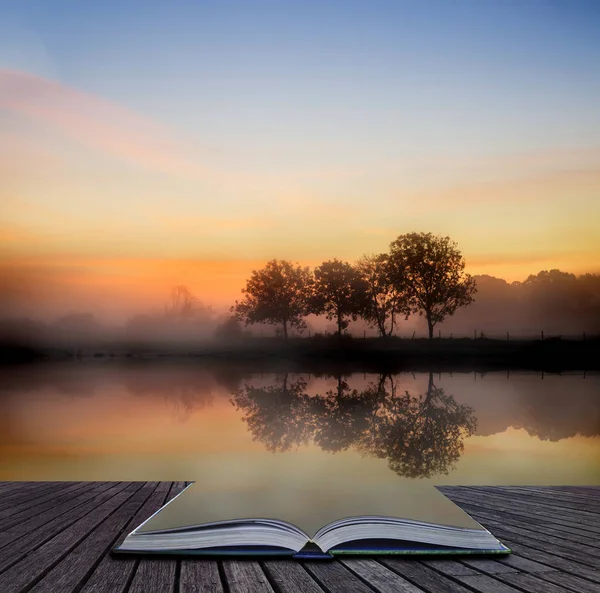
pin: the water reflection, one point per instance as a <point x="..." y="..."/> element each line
<point x="143" y="421"/>
<point x="420" y="435"/>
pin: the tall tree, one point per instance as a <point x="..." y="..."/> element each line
<point x="430" y="270"/>
<point x="383" y="303"/>
<point x="182" y="304"/>
<point x="275" y="294"/>
<point x="339" y="292"/>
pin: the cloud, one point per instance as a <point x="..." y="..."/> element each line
<point x="93" y="122"/>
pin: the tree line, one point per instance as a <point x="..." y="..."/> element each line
<point x="420" y="435"/>
<point x="421" y="274"/>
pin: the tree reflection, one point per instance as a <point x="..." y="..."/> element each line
<point x="420" y="435"/>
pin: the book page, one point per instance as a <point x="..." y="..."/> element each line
<point x="289" y="489"/>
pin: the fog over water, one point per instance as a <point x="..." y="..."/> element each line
<point x="110" y="420"/>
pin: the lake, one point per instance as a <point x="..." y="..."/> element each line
<point x="110" y="420"/>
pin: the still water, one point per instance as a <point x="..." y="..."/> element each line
<point x="117" y="421"/>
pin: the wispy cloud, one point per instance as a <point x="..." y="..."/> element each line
<point x="93" y="122"/>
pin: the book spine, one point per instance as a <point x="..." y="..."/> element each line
<point x="312" y="555"/>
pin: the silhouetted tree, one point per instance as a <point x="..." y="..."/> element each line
<point x="383" y="303"/>
<point x="420" y="436"/>
<point x="277" y="416"/>
<point x="275" y="294"/>
<point x="430" y="271"/>
<point x="229" y="330"/>
<point x="183" y="305"/>
<point x="339" y="292"/>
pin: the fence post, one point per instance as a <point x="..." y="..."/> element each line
<point x="507" y="337"/>
<point x="584" y="336"/>
<point x="450" y="335"/>
<point x="439" y="334"/>
<point x="413" y="336"/>
<point x="542" y="335"/>
<point x="364" y="334"/>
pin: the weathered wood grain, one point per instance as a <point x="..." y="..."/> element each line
<point x="245" y="576"/>
<point x="33" y="567"/>
<point x="336" y="578"/>
<point x="379" y="577"/>
<point x="22" y="539"/>
<point x="155" y="571"/>
<point x="73" y="569"/>
<point x="423" y="576"/>
<point x="290" y="576"/>
<point x="200" y="576"/>
<point x="57" y="537"/>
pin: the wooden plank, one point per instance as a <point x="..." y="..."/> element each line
<point x="535" y="583"/>
<point x="532" y="511"/>
<point x="588" y="554"/>
<point x="500" y="503"/>
<point x="489" y="566"/>
<point x="27" y="510"/>
<point x="29" y="492"/>
<point x="525" y="565"/>
<point x="547" y="499"/>
<point x="552" y="558"/>
<point x="245" y="576"/>
<point x="570" y="581"/>
<point x="335" y="578"/>
<point x="423" y="576"/>
<point x="35" y="565"/>
<point x="152" y="570"/>
<point x="566" y="533"/>
<point x="72" y="571"/>
<point x="199" y="576"/>
<point x="573" y="553"/>
<point x="592" y="490"/>
<point x="592" y="499"/>
<point x="114" y="573"/>
<point x="8" y="487"/>
<point x="289" y="576"/>
<point x="155" y="576"/>
<point x="379" y="577"/>
<point x="29" y="535"/>
<point x="449" y="567"/>
<point x="486" y="584"/>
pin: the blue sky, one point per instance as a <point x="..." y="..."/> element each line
<point x="305" y="130"/>
<point x="249" y="76"/>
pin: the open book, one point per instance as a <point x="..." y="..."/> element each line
<point x="320" y="524"/>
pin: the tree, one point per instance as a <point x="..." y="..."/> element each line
<point x="419" y="436"/>
<point x="383" y="302"/>
<point x="277" y="416"/>
<point x="339" y="292"/>
<point x="229" y="331"/>
<point x="430" y="270"/>
<point x="184" y="305"/>
<point x="275" y="294"/>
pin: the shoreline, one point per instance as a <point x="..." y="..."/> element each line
<point x="377" y="354"/>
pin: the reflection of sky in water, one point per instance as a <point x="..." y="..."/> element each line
<point x="148" y="422"/>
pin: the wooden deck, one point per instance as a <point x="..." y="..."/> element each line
<point x="56" y="537"/>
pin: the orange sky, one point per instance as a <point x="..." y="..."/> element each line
<point x="106" y="209"/>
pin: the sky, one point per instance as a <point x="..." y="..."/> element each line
<point x="148" y="144"/>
